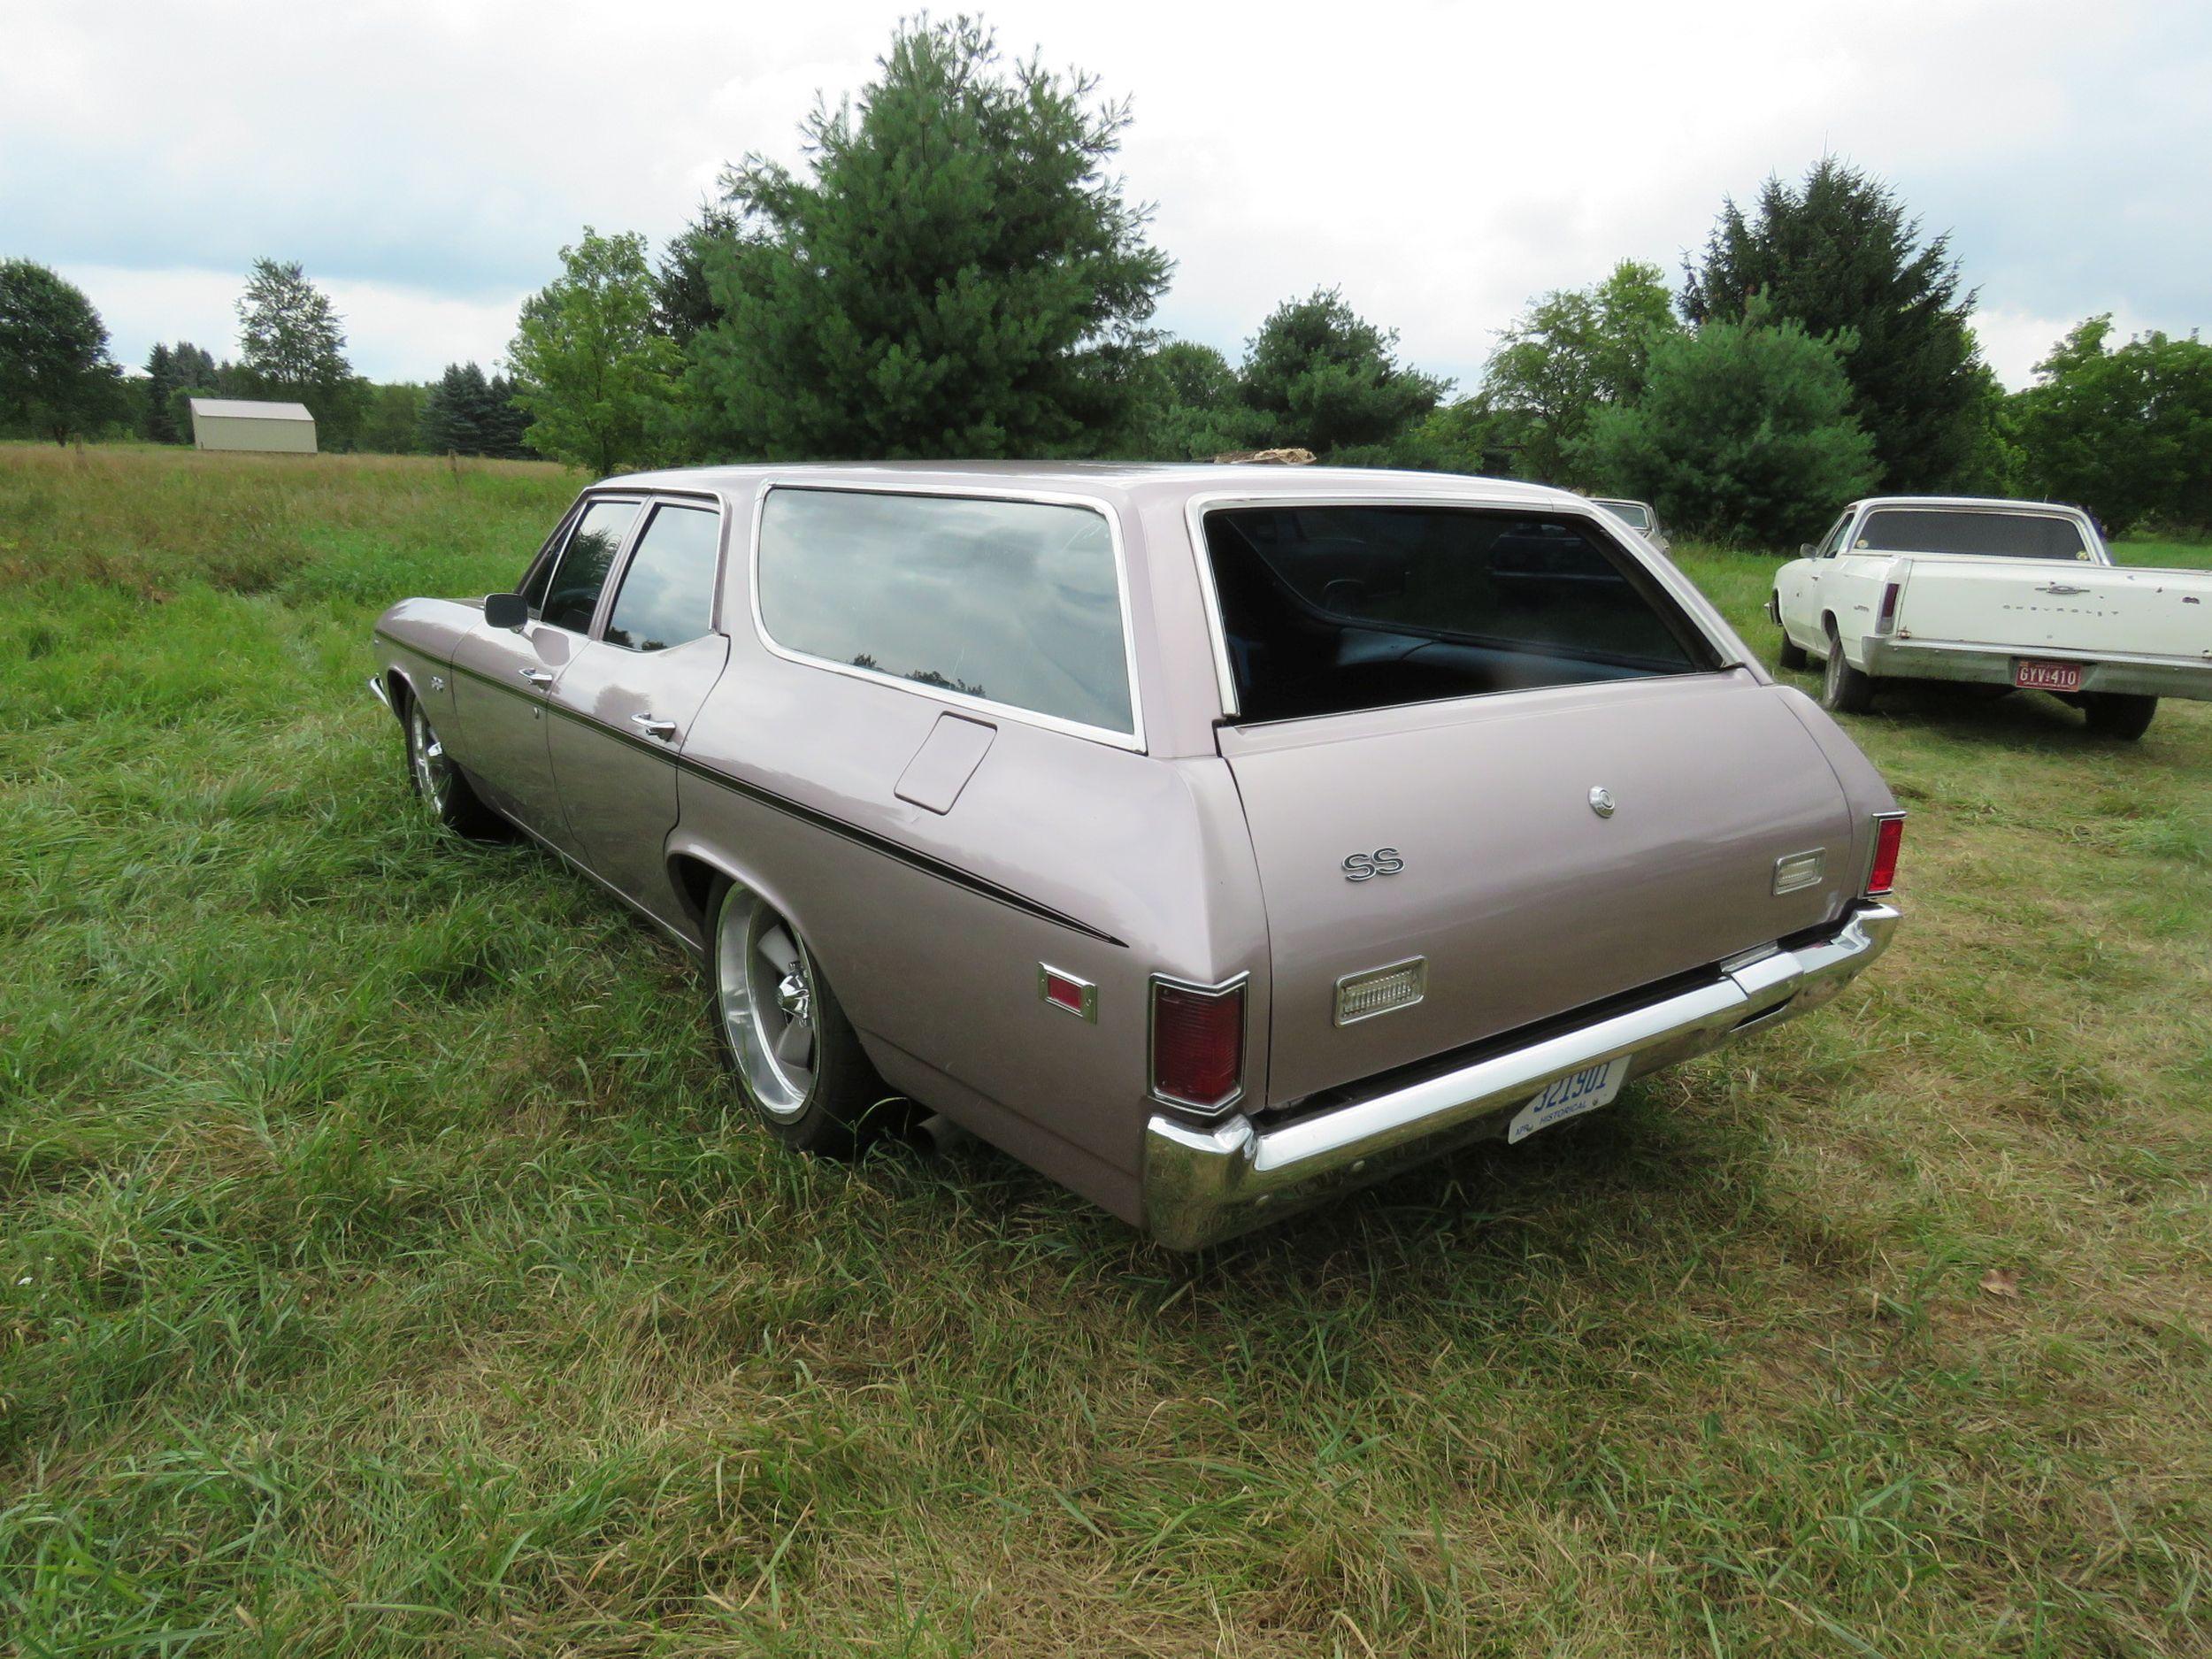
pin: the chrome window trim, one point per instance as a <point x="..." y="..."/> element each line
<point x="1132" y="739"/>
<point x="1239" y="981"/>
<point x="652" y="502"/>
<point x="2091" y="540"/>
<point x="585" y="503"/>
<point x="1678" y="587"/>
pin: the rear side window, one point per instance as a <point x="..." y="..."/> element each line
<point x="572" y="593"/>
<point x="1631" y="513"/>
<point x="667" y="594"/>
<point x="2019" y="535"/>
<point x="1016" y="603"/>
<point x="1325" y="609"/>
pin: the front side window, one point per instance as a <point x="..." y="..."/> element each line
<point x="1014" y="601"/>
<point x="1833" y="545"/>
<point x="1329" y="609"/>
<point x="572" y="592"/>
<point x="2017" y="535"/>
<point x="667" y="592"/>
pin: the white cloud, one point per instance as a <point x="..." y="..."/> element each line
<point x="1441" y="161"/>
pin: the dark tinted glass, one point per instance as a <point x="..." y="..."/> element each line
<point x="667" y="594"/>
<point x="573" y="593"/>
<point x="2019" y="535"/>
<point x="1012" y="601"/>
<point x="1330" y="609"/>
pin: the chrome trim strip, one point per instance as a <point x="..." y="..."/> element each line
<point x="1206" y="1183"/>
<point x="1151" y="1033"/>
<point x="1129" y="739"/>
<point x="376" y="685"/>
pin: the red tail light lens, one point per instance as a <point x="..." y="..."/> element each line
<point x="1889" y="835"/>
<point x="1197" y="1044"/>
<point x="1888" y="618"/>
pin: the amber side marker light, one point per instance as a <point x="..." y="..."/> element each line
<point x="1197" y="1044"/>
<point x="1889" y="836"/>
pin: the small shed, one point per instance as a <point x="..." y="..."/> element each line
<point x="231" y="423"/>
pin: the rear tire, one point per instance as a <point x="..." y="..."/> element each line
<point x="1843" y="688"/>
<point x="438" y="783"/>
<point x="1792" y="654"/>
<point x="797" y="1062"/>
<point x="2118" y="714"/>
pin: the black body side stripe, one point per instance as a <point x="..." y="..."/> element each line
<point x="924" y="862"/>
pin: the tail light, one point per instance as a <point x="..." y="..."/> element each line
<point x="1889" y="835"/>
<point x="1198" y="1044"/>
<point x="1886" y="620"/>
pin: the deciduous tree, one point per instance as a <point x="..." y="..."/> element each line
<point x="955" y="272"/>
<point x="55" y="378"/>
<point x="597" y="378"/>
<point x="2125" y="431"/>
<point x="1572" y="352"/>
<point x="292" y="344"/>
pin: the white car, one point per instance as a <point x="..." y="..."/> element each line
<point x="2016" y="594"/>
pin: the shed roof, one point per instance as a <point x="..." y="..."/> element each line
<point x="244" y="408"/>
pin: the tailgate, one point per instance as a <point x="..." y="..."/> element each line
<point x="1524" y="900"/>
<point x="2035" y="605"/>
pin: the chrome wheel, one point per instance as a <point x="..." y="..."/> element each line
<point x="765" y="987"/>
<point x="427" y="758"/>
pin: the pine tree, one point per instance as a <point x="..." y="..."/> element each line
<point x="1324" y="378"/>
<point x="956" y="273"/>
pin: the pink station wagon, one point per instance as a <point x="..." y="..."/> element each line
<point x="1213" y="839"/>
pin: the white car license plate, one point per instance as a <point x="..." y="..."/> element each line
<point x="1570" y="1097"/>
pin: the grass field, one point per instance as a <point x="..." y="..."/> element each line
<point x="384" y="1269"/>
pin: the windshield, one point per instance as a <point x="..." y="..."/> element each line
<point x="1634" y="513"/>
<point x="2019" y="535"/>
<point x="1328" y="609"/>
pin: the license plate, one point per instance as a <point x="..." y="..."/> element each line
<point x="2046" y="676"/>
<point x="1570" y="1097"/>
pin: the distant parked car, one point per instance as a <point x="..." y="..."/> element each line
<point x="2016" y="594"/>
<point x="1214" y="840"/>
<point x="1637" y="516"/>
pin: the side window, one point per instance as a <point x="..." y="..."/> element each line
<point x="540" y="571"/>
<point x="1833" y="545"/>
<point x="667" y="594"/>
<point x="573" y="594"/>
<point x="1017" y="603"/>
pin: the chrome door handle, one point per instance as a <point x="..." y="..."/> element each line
<point x="539" y="677"/>
<point x="665" y="730"/>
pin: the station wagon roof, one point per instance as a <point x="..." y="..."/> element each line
<point x="1125" y="481"/>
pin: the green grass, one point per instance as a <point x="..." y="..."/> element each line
<point x="384" y="1269"/>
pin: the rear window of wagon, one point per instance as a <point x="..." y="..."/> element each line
<point x="1016" y="603"/>
<point x="1327" y="609"/>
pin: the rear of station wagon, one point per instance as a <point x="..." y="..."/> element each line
<point x="1212" y="839"/>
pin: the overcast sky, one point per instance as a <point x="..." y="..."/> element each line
<point x="1440" y="162"/>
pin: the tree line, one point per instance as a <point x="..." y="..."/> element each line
<point x="57" y="380"/>
<point x="956" y="270"/>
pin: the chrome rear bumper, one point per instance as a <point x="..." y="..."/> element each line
<point x="1985" y="665"/>
<point x="1203" y="1183"/>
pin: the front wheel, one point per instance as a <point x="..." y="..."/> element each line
<point x="1792" y="654"/>
<point x="2119" y="713"/>
<point x="796" y="1060"/>
<point x="438" y="783"/>
<point x="1843" y="688"/>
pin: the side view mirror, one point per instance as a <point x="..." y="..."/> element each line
<point x="506" y="610"/>
<point x="1804" y="550"/>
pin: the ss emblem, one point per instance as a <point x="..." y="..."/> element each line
<point x="1384" y="861"/>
